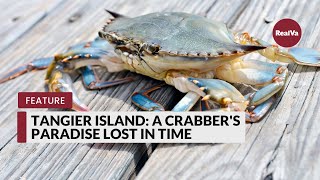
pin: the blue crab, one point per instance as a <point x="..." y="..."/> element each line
<point x="198" y="56"/>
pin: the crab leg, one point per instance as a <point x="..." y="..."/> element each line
<point x="43" y="63"/>
<point x="81" y="56"/>
<point x="37" y="64"/>
<point x="271" y="77"/>
<point x="60" y="81"/>
<point x="183" y="84"/>
<point x="302" y="56"/>
<point x="204" y="106"/>
<point x="91" y="80"/>
<point x="97" y="53"/>
<point x="187" y="102"/>
<point x="143" y="100"/>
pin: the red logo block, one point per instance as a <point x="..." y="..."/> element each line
<point x="287" y="32"/>
<point x="21" y="127"/>
<point x="45" y="100"/>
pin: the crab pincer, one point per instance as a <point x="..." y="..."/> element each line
<point x="230" y="99"/>
<point x="221" y="92"/>
<point x="298" y="55"/>
<point x="61" y="82"/>
<point x="305" y="56"/>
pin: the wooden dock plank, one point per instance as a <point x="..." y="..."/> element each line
<point x="53" y="34"/>
<point x="19" y="18"/>
<point x="271" y="150"/>
<point x="284" y="145"/>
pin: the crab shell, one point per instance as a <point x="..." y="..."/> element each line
<point x="160" y="42"/>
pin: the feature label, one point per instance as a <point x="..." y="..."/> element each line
<point x="45" y="100"/>
<point x="132" y="127"/>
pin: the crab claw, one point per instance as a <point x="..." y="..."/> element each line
<point x="221" y="92"/>
<point x="305" y="56"/>
<point x="255" y="114"/>
<point x="61" y="82"/>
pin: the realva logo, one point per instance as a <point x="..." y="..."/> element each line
<point x="287" y="32"/>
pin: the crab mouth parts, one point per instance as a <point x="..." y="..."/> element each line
<point x="129" y="43"/>
<point x="132" y="53"/>
<point x="135" y="62"/>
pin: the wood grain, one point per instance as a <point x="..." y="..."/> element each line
<point x="285" y="145"/>
<point x="53" y="34"/>
<point x="18" y="19"/>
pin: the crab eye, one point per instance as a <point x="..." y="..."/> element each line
<point x="110" y="38"/>
<point x="153" y="48"/>
<point x="102" y="34"/>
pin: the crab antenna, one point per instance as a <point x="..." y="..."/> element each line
<point x="115" y="15"/>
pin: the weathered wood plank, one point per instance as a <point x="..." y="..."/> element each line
<point x="270" y="149"/>
<point x="297" y="152"/>
<point x="17" y="19"/>
<point x="53" y="34"/>
<point x="272" y="145"/>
